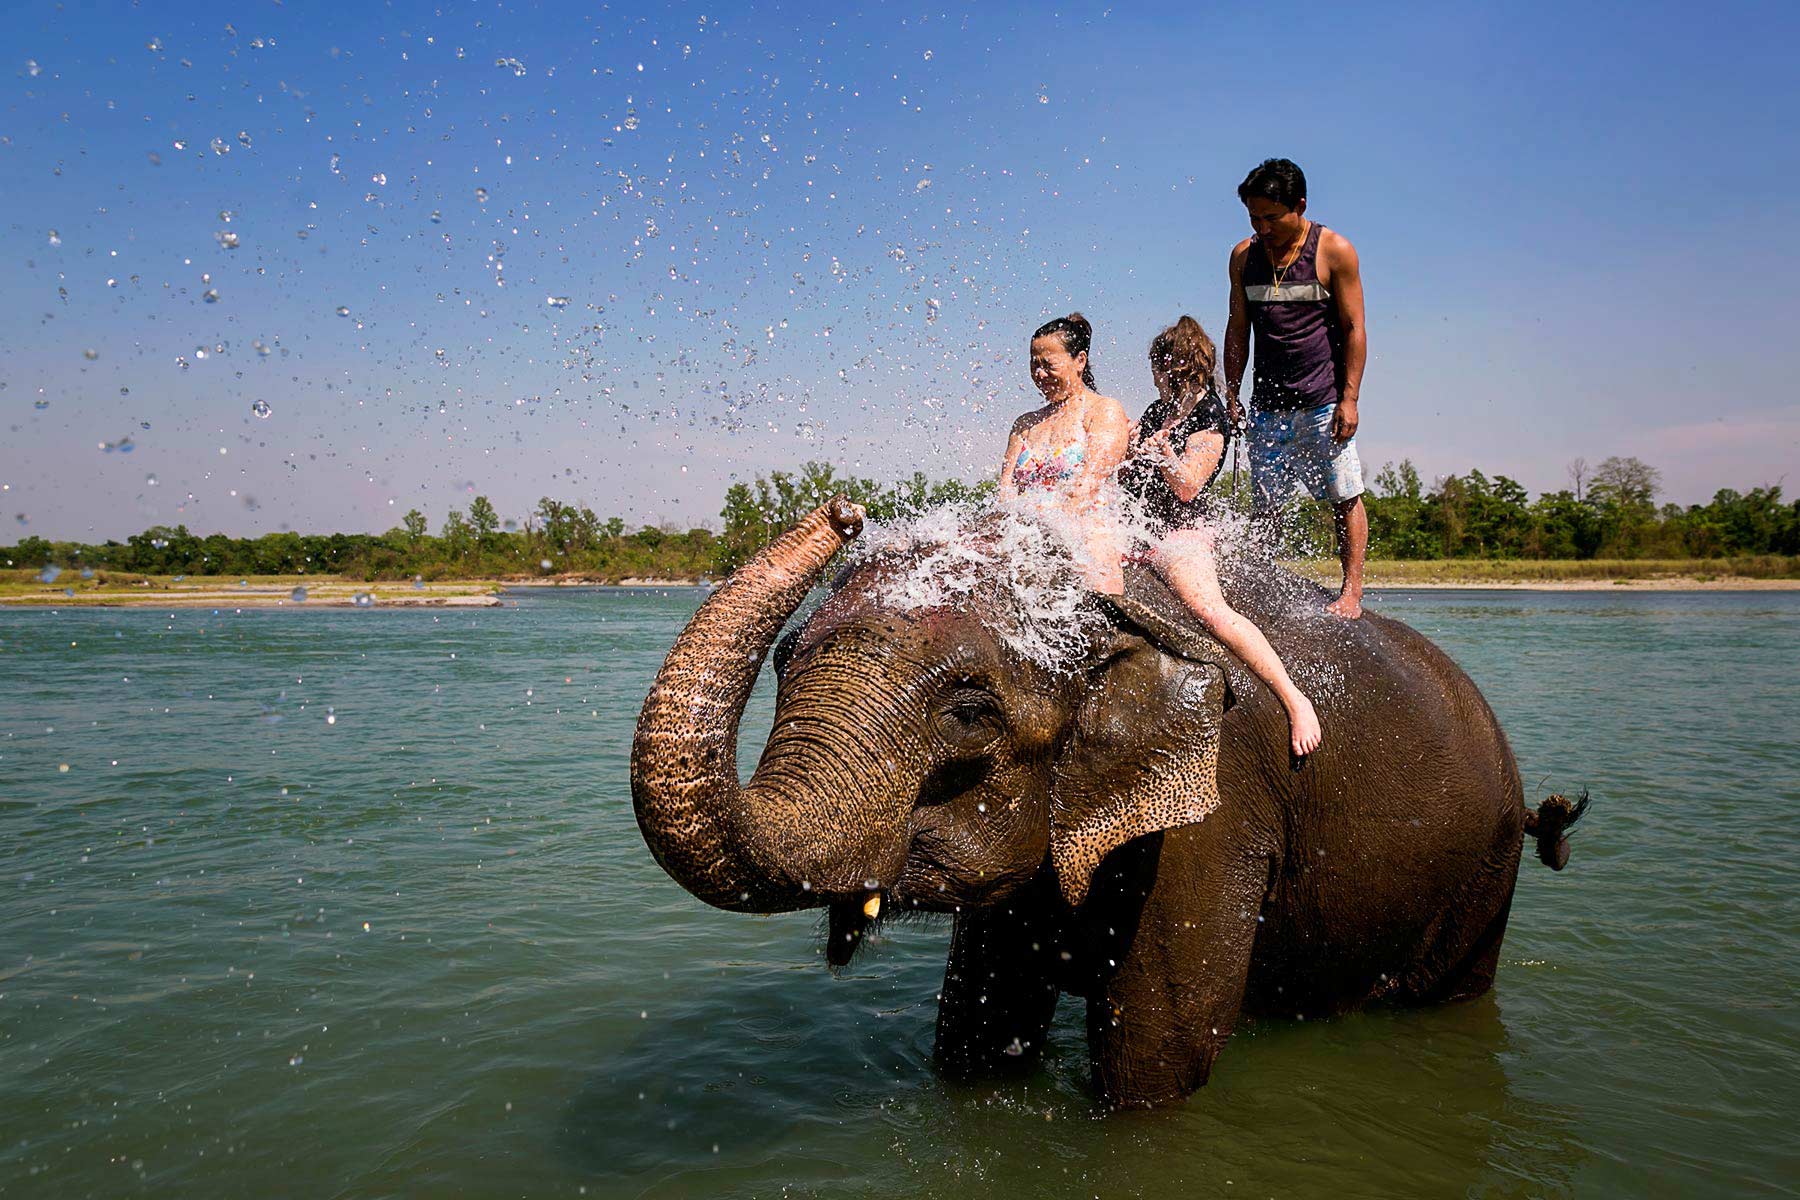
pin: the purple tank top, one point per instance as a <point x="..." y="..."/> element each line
<point x="1298" y="344"/>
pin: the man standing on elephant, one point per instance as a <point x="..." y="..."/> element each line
<point x="1298" y="285"/>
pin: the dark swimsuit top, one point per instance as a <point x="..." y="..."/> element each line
<point x="1141" y="477"/>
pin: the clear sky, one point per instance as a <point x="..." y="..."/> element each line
<point x="623" y="254"/>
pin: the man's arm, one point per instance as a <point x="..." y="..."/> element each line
<point x="1347" y="292"/>
<point x="1237" y="335"/>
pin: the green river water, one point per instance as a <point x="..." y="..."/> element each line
<point x="352" y="903"/>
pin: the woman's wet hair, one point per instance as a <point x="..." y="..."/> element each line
<point x="1277" y="179"/>
<point x="1187" y="355"/>
<point x="1077" y="335"/>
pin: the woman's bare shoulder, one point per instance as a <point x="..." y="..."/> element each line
<point x="1103" y="411"/>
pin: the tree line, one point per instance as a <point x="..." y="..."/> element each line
<point x="1608" y="512"/>
<point x="556" y="538"/>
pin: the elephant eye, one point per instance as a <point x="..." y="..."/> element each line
<point x="969" y="716"/>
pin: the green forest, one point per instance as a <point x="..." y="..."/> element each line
<point x="1608" y="512"/>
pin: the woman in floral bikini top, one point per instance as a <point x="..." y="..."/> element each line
<point x="1066" y="450"/>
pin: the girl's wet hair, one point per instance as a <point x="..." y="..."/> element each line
<point x="1187" y="354"/>
<point x="1076" y="335"/>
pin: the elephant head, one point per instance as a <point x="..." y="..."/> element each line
<point x="915" y="759"/>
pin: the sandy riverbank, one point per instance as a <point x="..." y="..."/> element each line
<point x="484" y="593"/>
<point x="1591" y="585"/>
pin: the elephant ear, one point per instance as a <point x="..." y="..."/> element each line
<point x="1143" y="756"/>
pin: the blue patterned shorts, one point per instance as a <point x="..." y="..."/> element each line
<point x="1294" y="449"/>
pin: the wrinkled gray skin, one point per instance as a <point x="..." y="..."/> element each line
<point x="1063" y="817"/>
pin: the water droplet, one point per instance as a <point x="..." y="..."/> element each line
<point x="227" y="238"/>
<point x="557" y="301"/>
<point x="418" y="582"/>
<point x="343" y="310"/>
<point x="544" y="563"/>
<point x="211" y="296"/>
<point x="219" y="147"/>
<point x="32" y="68"/>
<point x="1043" y="99"/>
<point x="631" y="119"/>
<point x="149" y="481"/>
<point x="362" y="600"/>
<point x="243" y="139"/>
<point x="90" y="355"/>
<point x="261" y="408"/>
<point x="55" y="238"/>
<point x="330" y="717"/>
<point x="437" y="218"/>
<point x="154" y="45"/>
<point x="40" y="405"/>
<point x="48" y="574"/>
<point x="481" y="195"/>
<point x="298" y="595"/>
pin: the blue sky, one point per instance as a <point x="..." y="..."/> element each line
<point x="788" y="232"/>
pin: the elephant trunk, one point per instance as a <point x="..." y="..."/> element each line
<point x="720" y="841"/>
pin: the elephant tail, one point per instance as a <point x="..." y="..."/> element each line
<point x="1549" y="824"/>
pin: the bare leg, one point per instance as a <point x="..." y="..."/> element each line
<point x="1105" y="568"/>
<point x="1185" y="559"/>
<point x="1353" y="545"/>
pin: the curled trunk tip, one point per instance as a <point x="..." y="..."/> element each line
<point x="712" y="836"/>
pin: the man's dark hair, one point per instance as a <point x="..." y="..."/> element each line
<point x="1277" y="179"/>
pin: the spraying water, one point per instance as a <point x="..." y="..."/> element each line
<point x="1023" y="558"/>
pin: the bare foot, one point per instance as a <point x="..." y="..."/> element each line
<point x="1348" y="607"/>
<point x="1303" y="725"/>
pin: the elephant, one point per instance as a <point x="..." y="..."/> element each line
<point x="1129" y="829"/>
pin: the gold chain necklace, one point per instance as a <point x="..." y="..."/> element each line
<point x="1293" y="257"/>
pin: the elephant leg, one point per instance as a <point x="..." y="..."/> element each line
<point x="1181" y="942"/>
<point x="1000" y="988"/>
<point x="1473" y="974"/>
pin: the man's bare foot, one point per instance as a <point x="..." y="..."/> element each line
<point x="1305" y="733"/>
<point x="1345" y="606"/>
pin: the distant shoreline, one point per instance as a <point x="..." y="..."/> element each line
<point x="278" y="592"/>
<point x="1589" y="585"/>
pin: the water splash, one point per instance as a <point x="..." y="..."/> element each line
<point x="1018" y="561"/>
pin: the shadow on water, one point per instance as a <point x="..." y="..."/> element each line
<point x="784" y="1081"/>
<point x="745" y="1080"/>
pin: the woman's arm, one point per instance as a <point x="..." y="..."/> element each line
<point x="1188" y="471"/>
<point x="1108" y="433"/>
<point x="1015" y="444"/>
<point x="1108" y="438"/>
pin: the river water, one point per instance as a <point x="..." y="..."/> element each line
<point x="352" y="903"/>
